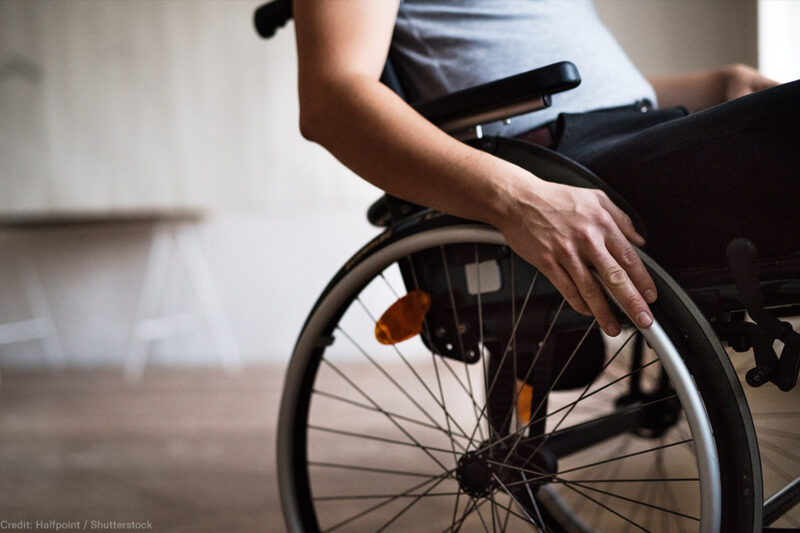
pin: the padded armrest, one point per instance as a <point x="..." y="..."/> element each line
<point x="492" y="101"/>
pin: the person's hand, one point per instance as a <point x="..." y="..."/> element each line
<point x="741" y="80"/>
<point x="699" y="90"/>
<point x="566" y="231"/>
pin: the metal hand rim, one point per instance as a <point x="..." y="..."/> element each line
<point x="706" y="452"/>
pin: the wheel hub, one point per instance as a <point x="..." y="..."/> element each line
<point x="475" y="475"/>
<point x="478" y="476"/>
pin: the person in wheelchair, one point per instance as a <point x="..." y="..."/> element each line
<point x="508" y="405"/>
<point x="702" y="173"/>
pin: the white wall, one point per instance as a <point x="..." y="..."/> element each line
<point x="142" y="105"/>
<point x="674" y="36"/>
<point x="116" y="109"/>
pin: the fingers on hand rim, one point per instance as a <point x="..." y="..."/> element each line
<point x="593" y="295"/>
<point x="624" y="256"/>
<point x="563" y="282"/>
<point x="624" y="289"/>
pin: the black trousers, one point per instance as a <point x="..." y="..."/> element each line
<point x="699" y="180"/>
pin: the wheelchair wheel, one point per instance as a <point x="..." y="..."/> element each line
<point x="508" y="411"/>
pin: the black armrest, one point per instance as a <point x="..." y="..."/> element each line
<point x="388" y="209"/>
<point x="491" y="101"/>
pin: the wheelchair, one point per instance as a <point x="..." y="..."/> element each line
<point x="441" y="383"/>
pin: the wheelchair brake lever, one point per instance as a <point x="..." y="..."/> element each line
<point x="743" y="262"/>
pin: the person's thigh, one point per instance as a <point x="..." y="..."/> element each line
<point x="699" y="181"/>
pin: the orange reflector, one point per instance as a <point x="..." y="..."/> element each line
<point x="403" y="319"/>
<point x="524" y="399"/>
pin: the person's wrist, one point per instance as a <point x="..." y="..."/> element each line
<point x="511" y="192"/>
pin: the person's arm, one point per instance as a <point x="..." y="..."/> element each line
<point x="700" y="90"/>
<point x="564" y="231"/>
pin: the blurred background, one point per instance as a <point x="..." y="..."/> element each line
<point x="164" y="229"/>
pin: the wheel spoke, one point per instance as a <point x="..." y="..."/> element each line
<point x="455" y="508"/>
<point x="354" y="497"/>
<point x="463" y="387"/>
<point x="471" y="506"/>
<point x="426" y="449"/>
<point x="513" y="404"/>
<point x="631" y="480"/>
<point x="414" y="372"/>
<point x="457" y="325"/>
<point x="387" y="501"/>
<point x="566" y="441"/>
<point x="533" y="501"/>
<point x="408" y="419"/>
<point x="613" y="470"/>
<point x="509" y="512"/>
<point x="493" y="383"/>
<point x="549" y="390"/>
<point x="482" y="355"/>
<point x="434" y="360"/>
<point x="606" y="508"/>
<point x="670" y="491"/>
<point x="582" y="394"/>
<point x="483" y="522"/>
<point x="539" y="350"/>
<point x="540" y="476"/>
<point x="389" y="285"/>
<point x="630" y="500"/>
<point x="518" y="432"/>
<point x="405" y="509"/>
<point x="341" y="466"/>
<point x="529" y="518"/>
<point x="589" y="395"/>
<point x="399" y="387"/>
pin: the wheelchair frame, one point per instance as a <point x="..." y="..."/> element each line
<point x="762" y="291"/>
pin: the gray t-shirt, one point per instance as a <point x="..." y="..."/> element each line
<point x="441" y="46"/>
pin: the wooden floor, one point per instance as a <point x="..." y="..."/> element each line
<point x="187" y="450"/>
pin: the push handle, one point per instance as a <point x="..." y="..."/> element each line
<point x="271" y="16"/>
